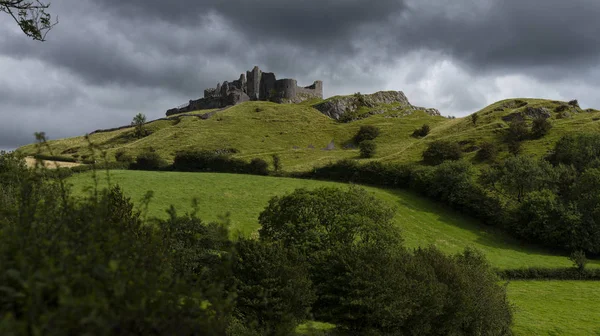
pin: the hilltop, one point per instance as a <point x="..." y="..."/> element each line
<point x="313" y="133"/>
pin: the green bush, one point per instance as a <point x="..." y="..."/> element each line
<point x="421" y="132"/>
<point x="91" y="266"/>
<point x="540" y="127"/>
<point x="558" y="273"/>
<point x="205" y="160"/>
<point x="368" y="148"/>
<point x="487" y="152"/>
<point x="367" y="283"/>
<point x="122" y="156"/>
<point x="366" y="132"/>
<point x="274" y="290"/>
<point x="48" y="157"/>
<point x="277" y="166"/>
<point x="440" y="151"/>
<point x="258" y="166"/>
<point x="148" y="160"/>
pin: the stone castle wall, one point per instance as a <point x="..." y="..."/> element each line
<point x="254" y="85"/>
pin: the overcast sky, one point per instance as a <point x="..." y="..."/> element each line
<point x="110" y="59"/>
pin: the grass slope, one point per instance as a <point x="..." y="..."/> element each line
<point x="245" y="196"/>
<point x="299" y="133"/>
<point x="556" y="307"/>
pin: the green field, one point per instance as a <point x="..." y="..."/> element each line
<point x="298" y="133"/>
<point x="556" y="307"/>
<point x="245" y="196"/>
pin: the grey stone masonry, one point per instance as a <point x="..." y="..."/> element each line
<point x="254" y="85"/>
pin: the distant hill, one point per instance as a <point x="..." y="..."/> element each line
<point x="300" y="134"/>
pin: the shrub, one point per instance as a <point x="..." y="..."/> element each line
<point x="139" y="129"/>
<point x="368" y="148"/>
<point x="580" y="150"/>
<point x="540" y="127"/>
<point x="487" y="152"/>
<point x="277" y="166"/>
<point x="122" y="156"/>
<point x="148" y="160"/>
<point x="73" y="259"/>
<point x="558" y="273"/>
<point x="367" y="132"/>
<point x="440" y="151"/>
<point x="579" y="260"/>
<point x="421" y="132"/>
<point x="517" y="131"/>
<point x="49" y="157"/>
<point x="474" y="118"/>
<point x="258" y="167"/>
<point x="274" y="290"/>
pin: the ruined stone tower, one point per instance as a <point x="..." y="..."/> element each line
<point x="255" y="85"/>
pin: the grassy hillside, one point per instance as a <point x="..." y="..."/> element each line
<point x="245" y="196"/>
<point x="299" y="133"/>
<point x="556" y="307"/>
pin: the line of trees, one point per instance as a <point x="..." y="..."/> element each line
<point x="95" y="265"/>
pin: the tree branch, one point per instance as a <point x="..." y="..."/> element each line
<point x="31" y="16"/>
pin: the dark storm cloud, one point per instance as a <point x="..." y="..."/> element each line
<point x="110" y="59"/>
<point x="506" y="33"/>
<point x="307" y="22"/>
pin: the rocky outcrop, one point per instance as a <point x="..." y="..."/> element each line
<point x="529" y="112"/>
<point x="339" y="108"/>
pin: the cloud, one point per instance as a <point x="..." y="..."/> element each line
<point x="110" y="59"/>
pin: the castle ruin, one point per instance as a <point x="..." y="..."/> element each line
<point x="254" y="85"/>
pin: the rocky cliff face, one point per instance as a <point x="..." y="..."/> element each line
<point x="345" y="108"/>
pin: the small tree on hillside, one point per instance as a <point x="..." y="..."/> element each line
<point x="540" y="127"/>
<point x="579" y="260"/>
<point x="367" y="148"/>
<point x="367" y="132"/>
<point x="474" y="118"/>
<point x="276" y="163"/>
<point x="138" y="122"/>
<point x="421" y="132"/>
<point x="440" y="151"/>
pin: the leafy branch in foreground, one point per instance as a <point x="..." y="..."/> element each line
<point x="31" y="16"/>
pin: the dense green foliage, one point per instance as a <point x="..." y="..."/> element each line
<point x="95" y="266"/>
<point x="368" y="149"/>
<point x="367" y="283"/>
<point x="91" y="266"/>
<point x="148" y="160"/>
<point x="367" y="132"/>
<point x="204" y="160"/>
<point x="421" y="132"/>
<point x="550" y="204"/>
<point x="487" y="152"/>
<point x="540" y="127"/>
<point x="440" y="151"/>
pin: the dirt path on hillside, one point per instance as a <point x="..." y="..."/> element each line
<point x="51" y="164"/>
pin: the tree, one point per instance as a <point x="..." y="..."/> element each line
<point x="474" y="118"/>
<point x="540" y="127"/>
<point x="277" y="167"/>
<point x="421" y="132"/>
<point x="318" y="220"/>
<point x="368" y="148"/>
<point x="274" y="291"/>
<point x="518" y="176"/>
<point x="367" y="132"/>
<point x="31" y="16"/>
<point x="517" y="132"/>
<point x="138" y="122"/>
<point x="440" y="151"/>
<point x="579" y="260"/>
<point x="487" y="152"/>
